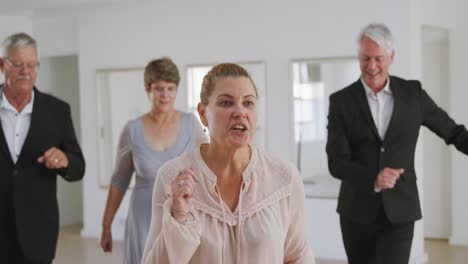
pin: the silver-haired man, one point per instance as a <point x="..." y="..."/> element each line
<point x="373" y="126"/>
<point x="37" y="142"/>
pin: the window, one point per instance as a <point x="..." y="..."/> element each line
<point x="312" y="83"/>
<point x="120" y="97"/>
<point x="195" y="78"/>
<point x="309" y="103"/>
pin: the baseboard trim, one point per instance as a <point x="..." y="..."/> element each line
<point x="456" y="241"/>
<point x="86" y="234"/>
<point x="423" y="258"/>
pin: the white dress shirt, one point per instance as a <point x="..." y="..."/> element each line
<point x="381" y="106"/>
<point x="15" y="125"/>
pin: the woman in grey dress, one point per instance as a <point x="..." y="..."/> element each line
<point x="145" y="144"/>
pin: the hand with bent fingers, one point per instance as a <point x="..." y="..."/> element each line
<point x="182" y="190"/>
<point x="386" y="179"/>
<point x="54" y="158"/>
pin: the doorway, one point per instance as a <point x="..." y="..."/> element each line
<point x="436" y="155"/>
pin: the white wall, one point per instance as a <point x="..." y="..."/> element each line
<point x="439" y="13"/>
<point x="10" y="24"/>
<point x="458" y="97"/>
<point x="56" y="35"/>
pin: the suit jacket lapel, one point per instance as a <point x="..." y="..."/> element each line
<point x="35" y="123"/>
<point x="361" y="98"/>
<point x="394" y="120"/>
<point x="3" y="144"/>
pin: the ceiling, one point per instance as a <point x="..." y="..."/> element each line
<point x="19" y="6"/>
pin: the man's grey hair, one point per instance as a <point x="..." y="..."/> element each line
<point x="380" y="34"/>
<point x="17" y="40"/>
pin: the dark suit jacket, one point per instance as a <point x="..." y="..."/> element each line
<point x="29" y="187"/>
<point x="356" y="153"/>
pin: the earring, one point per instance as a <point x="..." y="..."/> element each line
<point x="204" y="130"/>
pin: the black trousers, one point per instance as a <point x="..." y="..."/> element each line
<point x="380" y="242"/>
<point x="14" y="253"/>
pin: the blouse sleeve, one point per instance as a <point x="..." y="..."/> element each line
<point x="123" y="168"/>
<point x="297" y="248"/>
<point x="169" y="241"/>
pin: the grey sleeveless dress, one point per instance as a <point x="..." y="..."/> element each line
<point x="136" y="155"/>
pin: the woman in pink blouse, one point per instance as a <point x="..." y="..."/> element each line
<point x="226" y="201"/>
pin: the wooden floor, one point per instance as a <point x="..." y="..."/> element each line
<point x="440" y="252"/>
<point x="72" y="249"/>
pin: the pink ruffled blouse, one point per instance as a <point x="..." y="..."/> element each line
<point x="268" y="225"/>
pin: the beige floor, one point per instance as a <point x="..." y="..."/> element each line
<point x="72" y="249"/>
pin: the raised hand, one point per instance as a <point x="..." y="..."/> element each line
<point x="182" y="190"/>
<point x="54" y="158"/>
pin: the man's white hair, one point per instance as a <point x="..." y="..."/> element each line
<point x="17" y="40"/>
<point x="380" y="34"/>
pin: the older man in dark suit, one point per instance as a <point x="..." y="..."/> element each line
<point x="37" y="142"/>
<point x="373" y="126"/>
